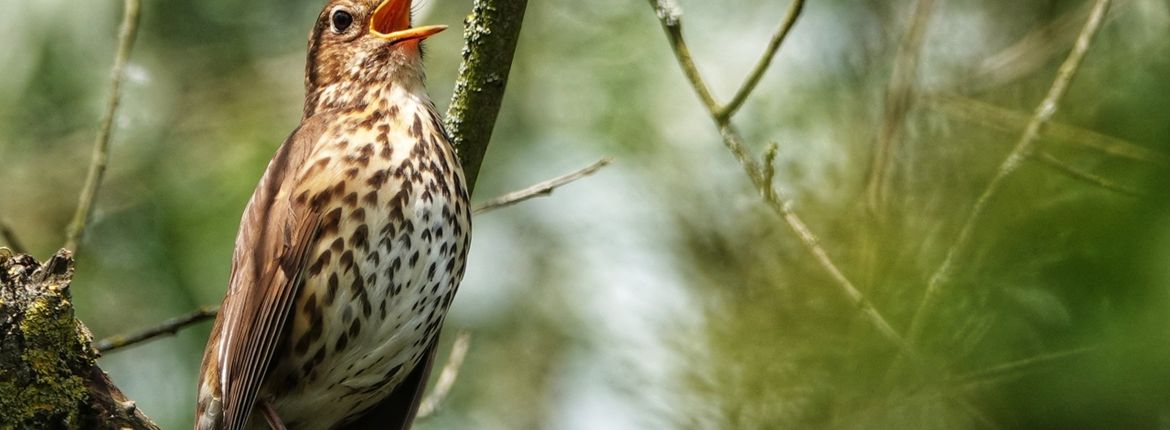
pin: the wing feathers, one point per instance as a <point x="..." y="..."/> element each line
<point x="275" y="236"/>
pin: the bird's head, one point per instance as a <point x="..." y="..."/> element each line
<point x="359" y="44"/>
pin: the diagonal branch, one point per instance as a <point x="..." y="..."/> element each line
<point x="540" y="190"/>
<point x="101" y="145"/>
<point x="1024" y="148"/>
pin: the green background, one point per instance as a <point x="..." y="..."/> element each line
<point x="661" y="292"/>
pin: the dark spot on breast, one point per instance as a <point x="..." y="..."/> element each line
<point x="322" y="260"/>
<point x="355" y="327"/>
<point x="331" y="289"/>
<point x="311" y="306"/>
<point x="330" y="221"/>
<point x="347" y="260"/>
<point x="416" y="128"/>
<point x="358" y="214"/>
<point x="377" y="179"/>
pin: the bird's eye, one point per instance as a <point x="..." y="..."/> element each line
<point x="341" y="21"/>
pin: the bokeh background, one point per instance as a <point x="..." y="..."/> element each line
<point x="661" y="292"/>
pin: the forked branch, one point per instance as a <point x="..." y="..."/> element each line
<point x="670" y="16"/>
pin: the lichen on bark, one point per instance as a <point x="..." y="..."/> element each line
<point x="50" y="378"/>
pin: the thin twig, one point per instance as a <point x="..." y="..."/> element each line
<point x="542" y="189"/>
<point x="671" y="19"/>
<point x="1006" y="368"/>
<point x="753" y="79"/>
<point x="1023" y="149"/>
<point x="10" y="238"/>
<point x="447" y="376"/>
<point x="1088" y="177"/>
<point x="899" y="98"/>
<point x="168" y="327"/>
<point x="101" y="146"/>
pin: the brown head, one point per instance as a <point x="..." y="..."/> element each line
<point x="359" y="44"/>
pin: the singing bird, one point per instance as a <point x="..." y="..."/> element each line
<point x="352" y="246"/>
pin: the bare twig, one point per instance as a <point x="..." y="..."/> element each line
<point x="757" y="72"/>
<point x="10" y="238"/>
<point x="168" y="327"/>
<point x="447" y="376"/>
<point x="670" y="17"/>
<point x="1088" y="177"/>
<point x="1024" y="148"/>
<point x="899" y="98"/>
<point x="542" y="189"/>
<point x="101" y="146"/>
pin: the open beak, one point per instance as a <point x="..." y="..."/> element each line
<point x="391" y="21"/>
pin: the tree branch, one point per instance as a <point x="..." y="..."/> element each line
<point x="101" y="145"/>
<point x="1024" y="148"/>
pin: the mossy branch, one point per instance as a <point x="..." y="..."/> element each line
<point x="490" y="34"/>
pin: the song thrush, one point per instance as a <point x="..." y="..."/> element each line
<point x="352" y="246"/>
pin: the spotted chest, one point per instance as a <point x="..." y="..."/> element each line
<point x="393" y="242"/>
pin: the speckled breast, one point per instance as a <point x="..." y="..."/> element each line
<point x="391" y="251"/>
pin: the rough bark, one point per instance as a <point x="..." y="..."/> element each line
<point x="50" y="376"/>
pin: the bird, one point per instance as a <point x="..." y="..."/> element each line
<point x="352" y="246"/>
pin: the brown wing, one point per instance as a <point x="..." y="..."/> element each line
<point x="397" y="411"/>
<point x="275" y="234"/>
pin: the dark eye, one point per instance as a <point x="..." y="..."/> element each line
<point x="341" y="21"/>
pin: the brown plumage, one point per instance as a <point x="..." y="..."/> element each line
<point x="352" y="247"/>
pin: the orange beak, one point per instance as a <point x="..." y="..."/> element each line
<point x="391" y="21"/>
